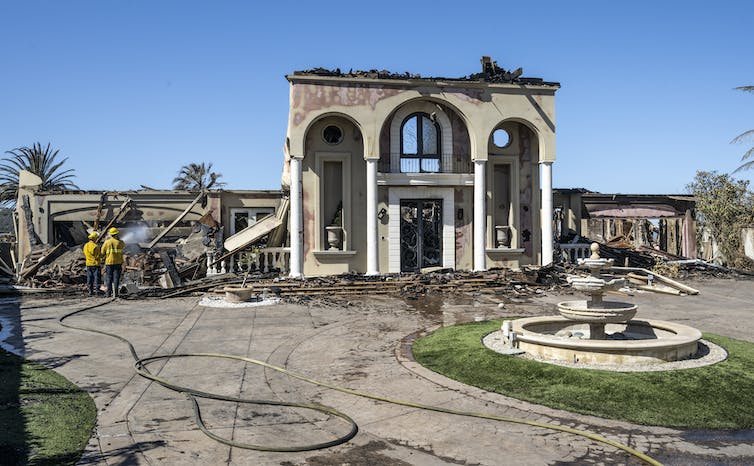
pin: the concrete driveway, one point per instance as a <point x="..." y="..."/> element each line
<point x="356" y="344"/>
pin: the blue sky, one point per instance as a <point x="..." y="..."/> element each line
<point x="131" y="91"/>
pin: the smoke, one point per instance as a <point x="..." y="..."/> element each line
<point x="135" y="234"/>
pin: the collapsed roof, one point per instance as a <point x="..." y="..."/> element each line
<point x="491" y="73"/>
<point x="636" y="205"/>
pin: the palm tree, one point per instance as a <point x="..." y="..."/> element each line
<point x="38" y="160"/>
<point x="749" y="154"/>
<point x="196" y="177"/>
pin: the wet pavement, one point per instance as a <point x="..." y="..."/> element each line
<point x="356" y="344"/>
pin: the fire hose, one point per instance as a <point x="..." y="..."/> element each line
<point x="140" y="365"/>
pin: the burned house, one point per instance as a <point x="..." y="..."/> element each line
<point x="398" y="172"/>
<point x="386" y="173"/>
<point x="658" y="222"/>
<point x="169" y="225"/>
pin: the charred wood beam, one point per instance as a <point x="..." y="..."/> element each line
<point x="175" y="222"/>
<point x="41" y="261"/>
<point x="101" y="204"/>
<point x="121" y="211"/>
<point x="6" y="268"/>
<point x="172" y="271"/>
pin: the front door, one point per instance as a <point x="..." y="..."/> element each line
<point x="421" y="234"/>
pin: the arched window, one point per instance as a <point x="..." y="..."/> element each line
<point x="420" y="144"/>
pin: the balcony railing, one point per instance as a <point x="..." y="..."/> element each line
<point x="461" y="164"/>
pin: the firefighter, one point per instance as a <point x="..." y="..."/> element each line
<point x="112" y="250"/>
<point x="93" y="256"/>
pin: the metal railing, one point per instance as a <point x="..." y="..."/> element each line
<point x="461" y="164"/>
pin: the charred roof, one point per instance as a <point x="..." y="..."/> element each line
<point x="491" y="73"/>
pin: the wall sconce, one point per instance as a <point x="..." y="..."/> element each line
<point x="381" y="214"/>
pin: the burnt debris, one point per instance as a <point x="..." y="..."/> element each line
<point x="491" y="73"/>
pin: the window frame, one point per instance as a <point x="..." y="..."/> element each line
<point x="420" y="155"/>
<point x="252" y="213"/>
<point x="340" y="130"/>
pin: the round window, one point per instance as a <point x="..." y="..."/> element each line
<point x="501" y="138"/>
<point x="332" y="134"/>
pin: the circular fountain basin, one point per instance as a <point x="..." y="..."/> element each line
<point x="635" y="342"/>
<point x="607" y="312"/>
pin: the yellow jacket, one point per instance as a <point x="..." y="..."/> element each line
<point x="92" y="253"/>
<point x="113" y="251"/>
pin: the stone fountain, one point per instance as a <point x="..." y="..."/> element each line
<point x="597" y="312"/>
<point x="596" y="331"/>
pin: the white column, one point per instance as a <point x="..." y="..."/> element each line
<point x="546" y="219"/>
<point x="373" y="266"/>
<point x="480" y="215"/>
<point x="297" y="215"/>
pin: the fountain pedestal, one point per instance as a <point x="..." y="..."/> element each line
<point x="596" y="311"/>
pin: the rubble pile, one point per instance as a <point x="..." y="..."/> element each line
<point x="34" y="269"/>
<point x="626" y="254"/>
<point x="67" y="269"/>
<point x="699" y="269"/>
<point x="167" y="273"/>
<point x="518" y="284"/>
<point x="185" y="257"/>
<point x="143" y="268"/>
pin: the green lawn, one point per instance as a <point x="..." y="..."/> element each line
<point x="44" y="418"/>
<point x="718" y="396"/>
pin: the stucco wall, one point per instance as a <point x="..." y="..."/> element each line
<point x="318" y="260"/>
<point x="368" y="108"/>
<point x="521" y="152"/>
<point x="370" y="103"/>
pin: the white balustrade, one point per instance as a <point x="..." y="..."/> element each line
<point x="261" y="260"/>
<point x="574" y="251"/>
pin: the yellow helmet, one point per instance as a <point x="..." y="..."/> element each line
<point x="114" y="231"/>
<point x="93" y="235"/>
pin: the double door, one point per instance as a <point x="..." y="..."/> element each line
<point x="421" y="234"/>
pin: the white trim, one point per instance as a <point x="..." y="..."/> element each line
<point x="425" y="179"/>
<point x="505" y="251"/>
<point x="453" y="84"/>
<point x="448" y="223"/>
<point x="253" y="215"/>
<point x="333" y="254"/>
<point x="446" y="134"/>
